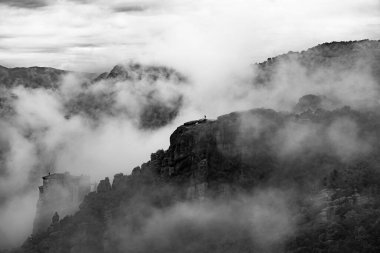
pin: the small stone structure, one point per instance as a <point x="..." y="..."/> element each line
<point x="61" y="194"/>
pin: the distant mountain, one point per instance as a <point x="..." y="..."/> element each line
<point x="147" y="107"/>
<point x="33" y="77"/>
<point x="336" y="56"/>
<point x="137" y="72"/>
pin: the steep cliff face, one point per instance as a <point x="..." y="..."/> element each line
<point x="60" y="194"/>
<point x="216" y="166"/>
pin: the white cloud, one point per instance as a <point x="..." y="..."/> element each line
<point x="90" y="35"/>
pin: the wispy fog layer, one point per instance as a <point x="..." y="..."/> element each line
<point x="265" y="218"/>
<point x="50" y="131"/>
<point x="39" y="138"/>
<point x="207" y="35"/>
<point x="213" y="43"/>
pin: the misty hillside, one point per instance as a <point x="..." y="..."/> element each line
<point x="333" y="56"/>
<point x="152" y="109"/>
<point x="45" y="115"/>
<point x="99" y="97"/>
<point x="302" y="176"/>
<point x="34" y="77"/>
<point x="254" y="181"/>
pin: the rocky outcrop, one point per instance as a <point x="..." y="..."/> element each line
<point x="104" y="185"/>
<point x="221" y="159"/>
<point x="61" y="193"/>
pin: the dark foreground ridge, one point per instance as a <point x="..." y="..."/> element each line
<point x="323" y="197"/>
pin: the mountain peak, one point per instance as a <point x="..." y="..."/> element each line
<point x="118" y="71"/>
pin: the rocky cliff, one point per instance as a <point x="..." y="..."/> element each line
<point x="60" y="194"/>
<point x="246" y="167"/>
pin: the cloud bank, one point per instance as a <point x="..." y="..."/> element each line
<point x="95" y="35"/>
<point x="211" y="42"/>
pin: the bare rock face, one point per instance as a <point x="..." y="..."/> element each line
<point x="60" y="193"/>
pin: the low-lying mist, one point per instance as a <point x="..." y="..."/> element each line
<point x="95" y="128"/>
<point x="262" y="220"/>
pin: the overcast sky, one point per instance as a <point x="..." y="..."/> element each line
<point x="93" y="35"/>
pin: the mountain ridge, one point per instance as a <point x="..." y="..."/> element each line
<point x="209" y="160"/>
<point x="341" y="55"/>
<point x="317" y="164"/>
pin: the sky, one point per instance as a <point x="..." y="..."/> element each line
<point x="94" y="35"/>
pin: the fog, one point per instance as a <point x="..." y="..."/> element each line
<point x="265" y="217"/>
<point x="340" y="138"/>
<point x="213" y="43"/>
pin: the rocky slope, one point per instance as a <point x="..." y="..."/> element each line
<point x="216" y="166"/>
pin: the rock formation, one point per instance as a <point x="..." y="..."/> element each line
<point x="220" y="160"/>
<point x="60" y="194"/>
